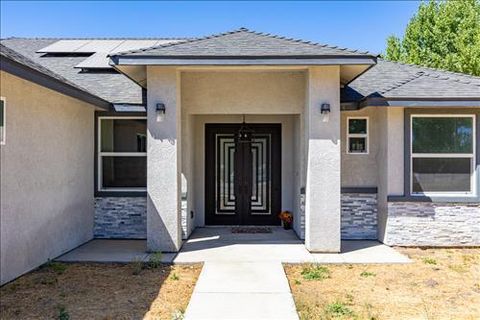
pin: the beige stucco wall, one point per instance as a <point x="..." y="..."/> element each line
<point x="361" y="170"/>
<point x="227" y="92"/>
<point x="46" y="171"/>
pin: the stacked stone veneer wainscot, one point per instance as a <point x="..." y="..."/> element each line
<point x="126" y="218"/>
<point x="121" y="217"/>
<point x="359" y="216"/>
<point x="433" y="224"/>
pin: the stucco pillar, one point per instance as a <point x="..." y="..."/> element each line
<point x="322" y="198"/>
<point x="163" y="161"/>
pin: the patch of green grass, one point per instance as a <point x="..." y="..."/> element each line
<point x="338" y="310"/>
<point x="366" y="274"/>
<point x="175" y="277"/>
<point x="63" y="314"/>
<point x="313" y="272"/>
<point x="431" y="261"/>
<point x="57" y="267"/>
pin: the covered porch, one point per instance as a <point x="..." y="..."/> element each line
<point x="220" y="244"/>
<point x="242" y="126"/>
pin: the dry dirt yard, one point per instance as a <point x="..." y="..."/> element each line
<point x="439" y="284"/>
<point x="100" y="291"/>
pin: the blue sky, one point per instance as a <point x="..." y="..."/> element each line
<point x="354" y="24"/>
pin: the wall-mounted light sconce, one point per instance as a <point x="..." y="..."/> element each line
<point x="325" y="111"/>
<point x="160" y="110"/>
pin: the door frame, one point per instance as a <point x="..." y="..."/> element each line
<point x="276" y="175"/>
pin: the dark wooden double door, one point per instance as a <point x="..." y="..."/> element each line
<point x="242" y="174"/>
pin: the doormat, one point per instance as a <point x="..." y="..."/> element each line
<point x="251" y="230"/>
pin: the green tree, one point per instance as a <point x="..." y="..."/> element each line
<point x="442" y="34"/>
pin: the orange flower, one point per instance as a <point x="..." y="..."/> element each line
<point x="286" y="216"/>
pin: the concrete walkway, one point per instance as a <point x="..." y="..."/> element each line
<point x="220" y="244"/>
<point x="241" y="290"/>
<point x="243" y="276"/>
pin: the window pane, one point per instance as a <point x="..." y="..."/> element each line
<point x="441" y="174"/>
<point x="442" y="135"/>
<point x="357" y="145"/>
<point x="124" y="135"/>
<point x="357" y="126"/>
<point x="124" y="172"/>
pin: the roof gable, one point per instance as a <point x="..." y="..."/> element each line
<point x="244" y="43"/>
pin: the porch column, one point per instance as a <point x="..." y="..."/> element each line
<point x="322" y="198"/>
<point x="163" y="162"/>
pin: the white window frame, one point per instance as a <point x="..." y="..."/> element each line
<point x="358" y="135"/>
<point x="3" y="140"/>
<point x="101" y="154"/>
<point x="472" y="156"/>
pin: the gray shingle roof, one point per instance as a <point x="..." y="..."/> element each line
<point x="386" y="79"/>
<point x="396" y="80"/>
<point x="242" y="43"/>
<point x="17" y="57"/>
<point x="113" y="87"/>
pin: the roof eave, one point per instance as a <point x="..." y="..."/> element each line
<point x="35" y="76"/>
<point x="412" y="102"/>
<point x="242" y="60"/>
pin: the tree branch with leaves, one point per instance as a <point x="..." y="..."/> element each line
<point x="443" y="35"/>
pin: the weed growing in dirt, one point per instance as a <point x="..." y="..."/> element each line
<point x="366" y="274"/>
<point x="137" y="266"/>
<point x="178" y="315"/>
<point x="313" y="272"/>
<point x="155" y="260"/>
<point x="63" y="314"/>
<point x="57" y="267"/>
<point x="175" y="277"/>
<point x="338" y="309"/>
<point x="430" y="261"/>
<point x="460" y="268"/>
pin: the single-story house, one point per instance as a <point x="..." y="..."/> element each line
<point x="151" y="138"/>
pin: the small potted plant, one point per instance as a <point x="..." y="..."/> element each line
<point x="287" y="218"/>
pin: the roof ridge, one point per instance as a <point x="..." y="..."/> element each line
<point x="243" y="29"/>
<point x="166" y="45"/>
<point x="459" y="74"/>
<point x="402" y="82"/>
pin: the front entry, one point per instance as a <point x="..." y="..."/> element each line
<point x="242" y="174"/>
